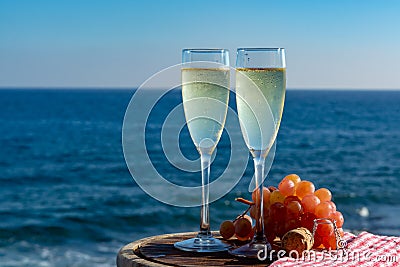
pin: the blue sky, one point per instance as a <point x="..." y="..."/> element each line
<point x="330" y="44"/>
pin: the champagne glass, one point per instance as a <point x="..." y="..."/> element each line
<point x="260" y="95"/>
<point x="205" y="93"/>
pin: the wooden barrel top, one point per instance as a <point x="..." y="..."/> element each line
<point x="158" y="251"/>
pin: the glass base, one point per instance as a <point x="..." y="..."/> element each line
<point x="254" y="250"/>
<point x="202" y="243"/>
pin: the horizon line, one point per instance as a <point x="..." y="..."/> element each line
<point x="135" y="88"/>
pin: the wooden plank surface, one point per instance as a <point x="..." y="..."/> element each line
<point x="159" y="251"/>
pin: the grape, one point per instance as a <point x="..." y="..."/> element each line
<point x="266" y="196"/>
<point x="324" y="229"/>
<point x="293" y="177"/>
<point x="293" y="210"/>
<point x="270" y="227"/>
<point x="266" y="212"/>
<point x="243" y="238"/>
<point x="248" y="237"/>
<point x="274" y="228"/>
<point x="277" y="212"/>
<point x="329" y="241"/>
<point x="286" y="187"/>
<point x="333" y="205"/>
<point x="270" y="236"/>
<point x="317" y="241"/>
<point x="289" y="199"/>
<point x="292" y="224"/>
<point x="309" y="202"/>
<point x="332" y="241"/>
<point x="307" y="220"/>
<point x="325" y="242"/>
<point x="272" y="188"/>
<point x="276" y="196"/>
<point x="280" y="230"/>
<point x="304" y="188"/>
<point x="323" y="194"/>
<point x="248" y="218"/>
<point x="242" y="227"/>
<point x="252" y="232"/>
<point x="323" y="210"/>
<point x="254" y="212"/>
<point x="227" y="229"/>
<point x="338" y="217"/>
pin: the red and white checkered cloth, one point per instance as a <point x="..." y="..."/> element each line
<point x="364" y="250"/>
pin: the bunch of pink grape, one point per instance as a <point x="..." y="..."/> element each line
<point x="295" y="203"/>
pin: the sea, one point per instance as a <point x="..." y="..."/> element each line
<point x="67" y="197"/>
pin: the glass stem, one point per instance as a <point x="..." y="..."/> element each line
<point x="205" y="194"/>
<point x="259" y="175"/>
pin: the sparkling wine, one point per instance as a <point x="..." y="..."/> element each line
<point x="260" y="98"/>
<point x="205" y="95"/>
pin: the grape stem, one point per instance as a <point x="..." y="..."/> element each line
<point x="241" y="215"/>
<point x="244" y="201"/>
